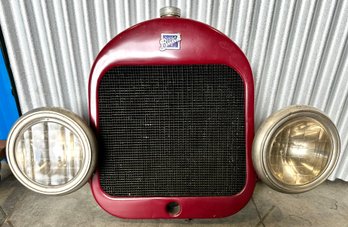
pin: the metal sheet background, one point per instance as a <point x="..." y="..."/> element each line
<point x="297" y="49"/>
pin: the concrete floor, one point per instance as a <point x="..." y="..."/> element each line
<point x="326" y="205"/>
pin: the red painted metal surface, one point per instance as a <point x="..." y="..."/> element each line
<point x="200" y="44"/>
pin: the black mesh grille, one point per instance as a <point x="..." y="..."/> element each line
<point x="172" y="131"/>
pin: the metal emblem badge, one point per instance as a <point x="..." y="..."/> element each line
<point x="170" y="41"/>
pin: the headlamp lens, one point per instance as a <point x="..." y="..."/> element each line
<point x="49" y="154"/>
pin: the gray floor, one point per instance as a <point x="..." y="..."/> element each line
<point x="326" y="205"/>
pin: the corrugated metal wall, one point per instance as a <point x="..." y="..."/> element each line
<point x="297" y="49"/>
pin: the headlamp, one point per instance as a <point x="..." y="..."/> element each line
<point x="296" y="149"/>
<point x="51" y="151"/>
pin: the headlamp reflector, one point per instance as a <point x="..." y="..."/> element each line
<point x="299" y="151"/>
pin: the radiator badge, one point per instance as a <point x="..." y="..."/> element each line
<point x="170" y="41"/>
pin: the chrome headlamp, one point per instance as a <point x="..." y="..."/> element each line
<point x="296" y="149"/>
<point x="51" y="151"/>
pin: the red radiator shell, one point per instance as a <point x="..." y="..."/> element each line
<point x="200" y="44"/>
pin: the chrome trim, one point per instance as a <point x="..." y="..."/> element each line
<point x="67" y="119"/>
<point x="268" y="129"/>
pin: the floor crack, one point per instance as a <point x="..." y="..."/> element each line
<point x="261" y="222"/>
<point x="4" y="215"/>
<point x="10" y="223"/>
<point x="258" y="212"/>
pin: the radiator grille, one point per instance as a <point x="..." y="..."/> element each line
<point x="172" y="131"/>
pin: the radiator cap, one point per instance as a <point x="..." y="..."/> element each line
<point x="170" y="11"/>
